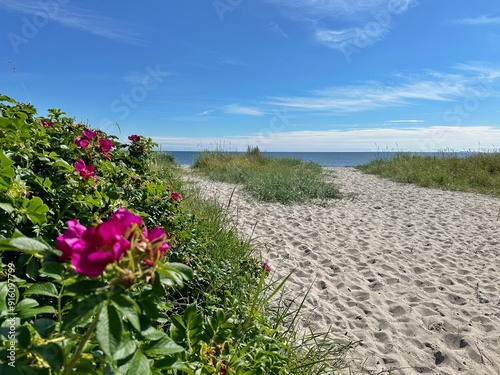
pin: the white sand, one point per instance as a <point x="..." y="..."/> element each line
<point x="412" y="272"/>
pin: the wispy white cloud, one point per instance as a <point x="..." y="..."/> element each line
<point x="480" y="20"/>
<point x="371" y="95"/>
<point x="481" y="72"/>
<point x="433" y="138"/>
<point x="356" y="37"/>
<point x="205" y="113"/>
<point x="234" y="109"/>
<point x="276" y="28"/>
<point x="237" y="109"/>
<point x="73" y="17"/>
<point x="364" y="21"/>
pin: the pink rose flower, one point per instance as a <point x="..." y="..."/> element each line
<point x="92" y="249"/>
<point x="124" y="220"/>
<point x="104" y="244"/>
<point x="175" y="195"/>
<point x="89" y="134"/>
<point x="81" y="142"/>
<point x="134" y="138"/>
<point x="105" y="144"/>
<point x="71" y="239"/>
<point x="84" y="170"/>
<point x="47" y="124"/>
<point x="156" y="238"/>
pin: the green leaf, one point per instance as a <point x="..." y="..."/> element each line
<point x="149" y="332"/>
<point x="6" y="207"/>
<point x="126" y="349"/>
<point x="5" y="98"/>
<point x="5" y="161"/>
<point x="193" y="321"/>
<point x="32" y="268"/>
<point x="44" y="289"/>
<point x="174" y="273"/>
<point x="7" y="172"/>
<point x="52" y="353"/>
<point x="150" y="308"/>
<point x="165" y="346"/>
<point x="63" y="164"/>
<point x="47" y="183"/>
<point x="178" y="329"/>
<point x="86" y="286"/>
<point x="4" y="185"/>
<point x="128" y="308"/>
<point x="186" y="270"/>
<point x="25" y="314"/>
<point x="24" y="244"/>
<point x="53" y="270"/>
<point x="81" y="311"/>
<point x="139" y="365"/>
<point x="26" y="303"/>
<point x="44" y="182"/>
<point x="45" y="327"/>
<point x="36" y="211"/>
<point x="109" y="330"/>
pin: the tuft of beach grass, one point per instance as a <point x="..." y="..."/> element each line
<point x="283" y="180"/>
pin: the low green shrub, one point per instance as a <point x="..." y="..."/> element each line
<point x="268" y="179"/>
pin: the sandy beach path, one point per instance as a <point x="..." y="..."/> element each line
<point x="412" y="272"/>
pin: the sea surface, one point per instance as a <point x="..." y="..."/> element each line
<point x="326" y="159"/>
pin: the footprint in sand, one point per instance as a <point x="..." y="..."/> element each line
<point x="397" y="311"/>
<point x="376" y="285"/>
<point x="456" y="300"/>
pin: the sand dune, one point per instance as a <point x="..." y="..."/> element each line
<point x="412" y="272"/>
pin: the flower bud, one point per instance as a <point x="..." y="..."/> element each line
<point x="127" y="280"/>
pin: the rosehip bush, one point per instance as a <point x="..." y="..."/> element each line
<point x="88" y="278"/>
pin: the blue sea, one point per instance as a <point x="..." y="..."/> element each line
<point x="326" y="159"/>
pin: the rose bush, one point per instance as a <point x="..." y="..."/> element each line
<point x="88" y="267"/>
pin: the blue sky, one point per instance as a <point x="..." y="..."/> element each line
<point x="295" y="75"/>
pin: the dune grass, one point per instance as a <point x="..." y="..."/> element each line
<point x="268" y="179"/>
<point x="475" y="173"/>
